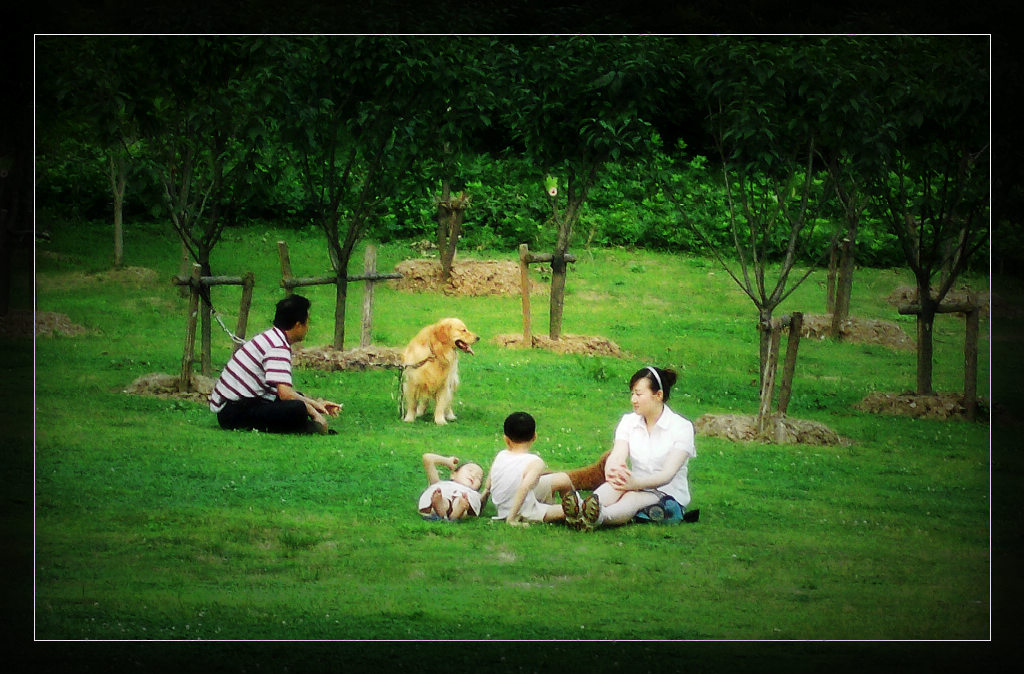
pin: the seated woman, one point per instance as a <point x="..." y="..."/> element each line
<point x="657" y="443"/>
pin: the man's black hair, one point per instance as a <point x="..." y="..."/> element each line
<point x="291" y="310"/>
<point x="520" y="427"/>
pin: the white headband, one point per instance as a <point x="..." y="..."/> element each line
<point x="656" y="377"/>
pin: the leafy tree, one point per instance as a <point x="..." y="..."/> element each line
<point x="934" y="184"/>
<point x="85" y="85"/>
<point x="460" y="99"/>
<point x="201" y="121"/>
<point x="349" y="112"/>
<point x="851" y="125"/>
<point x="760" y="105"/>
<point x="575" y="104"/>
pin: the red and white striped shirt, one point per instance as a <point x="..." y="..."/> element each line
<point x="255" y="370"/>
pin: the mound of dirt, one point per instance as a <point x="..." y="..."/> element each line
<point x="162" y="385"/>
<point x="571" y="344"/>
<point x="908" y="295"/>
<point x="469" y="277"/>
<point x="330" y="359"/>
<point x="941" y="406"/>
<point x="858" y="330"/>
<point x="42" y="324"/>
<point x="741" y="428"/>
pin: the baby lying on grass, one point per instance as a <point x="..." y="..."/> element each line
<point x="455" y="498"/>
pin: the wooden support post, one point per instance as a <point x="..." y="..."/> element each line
<point x="369" y="269"/>
<point x="340" y="281"/>
<point x="796" y="323"/>
<point x="188" y="355"/>
<point x="248" y="281"/>
<point x="524" y="279"/>
<point x="286" y="267"/>
<point x="768" y="380"/>
<point x="971" y="364"/>
<point x="527" y="258"/>
<point x="971" y="313"/>
<point x="206" y="337"/>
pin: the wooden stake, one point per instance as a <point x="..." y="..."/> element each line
<point x="524" y="278"/>
<point x="971" y="365"/>
<point x="770" y="366"/>
<point x="286" y="267"/>
<point x="185" y="379"/>
<point x="248" y="281"/>
<point x="796" y="323"/>
<point x="369" y="269"/>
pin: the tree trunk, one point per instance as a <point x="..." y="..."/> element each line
<point x="764" y="333"/>
<point x="558" y="267"/>
<point x="843" y="288"/>
<point x="450" y="213"/>
<point x="454" y="232"/>
<point x="118" y="180"/>
<point x="925" y="323"/>
<point x="443" y="219"/>
<point x="844" y="283"/>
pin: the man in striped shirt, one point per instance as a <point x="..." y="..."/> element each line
<point x="255" y="389"/>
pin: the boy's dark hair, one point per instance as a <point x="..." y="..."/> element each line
<point x="291" y="310"/>
<point x="662" y="382"/>
<point x="520" y="427"/>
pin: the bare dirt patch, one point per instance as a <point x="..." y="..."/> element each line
<point x="942" y="406"/>
<point x="26" y="324"/>
<point x="568" y="344"/>
<point x="986" y="301"/>
<point x="365" y="358"/>
<point x="739" y="428"/>
<point x="469" y="277"/>
<point x="162" y="385"/>
<point x="859" y="331"/>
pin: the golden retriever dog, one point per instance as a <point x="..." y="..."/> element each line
<point x="431" y="368"/>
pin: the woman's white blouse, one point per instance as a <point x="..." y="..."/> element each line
<point x="648" y="452"/>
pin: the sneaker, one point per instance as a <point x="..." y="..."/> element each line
<point x="571" y="508"/>
<point x="691" y="516"/>
<point x="591" y="512"/>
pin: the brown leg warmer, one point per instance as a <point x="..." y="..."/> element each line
<point x="589" y="477"/>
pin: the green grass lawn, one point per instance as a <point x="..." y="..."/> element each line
<point x="152" y="523"/>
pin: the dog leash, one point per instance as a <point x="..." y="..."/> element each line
<point x="401" y="378"/>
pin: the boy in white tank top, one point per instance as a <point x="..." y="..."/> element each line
<point x="521" y="493"/>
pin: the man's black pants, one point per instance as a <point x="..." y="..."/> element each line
<point x="278" y="416"/>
